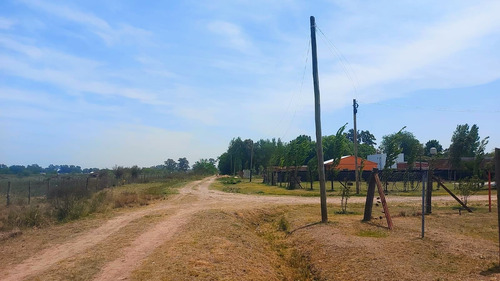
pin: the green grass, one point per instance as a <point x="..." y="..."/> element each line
<point x="257" y="187"/>
<point x="372" y="233"/>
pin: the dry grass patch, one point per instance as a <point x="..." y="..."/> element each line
<point x="87" y="265"/>
<point x="218" y="245"/>
<point x="455" y="248"/>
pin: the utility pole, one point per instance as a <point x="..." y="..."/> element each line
<point x="356" y="172"/>
<point x="317" y="117"/>
<point x="251" y="162"/>
<point x="497" y="180"/>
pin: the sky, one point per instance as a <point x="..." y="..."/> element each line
<point x="105" y="83"/>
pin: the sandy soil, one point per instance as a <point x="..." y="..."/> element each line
<point x="193" y="198"/>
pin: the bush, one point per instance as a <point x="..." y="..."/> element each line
<point x="230" y="180"/>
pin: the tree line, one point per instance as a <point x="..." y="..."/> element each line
<point x="259" y="155"/>
<point x="202" y="166"/>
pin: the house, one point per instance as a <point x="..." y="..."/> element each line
<point x="347" y="163"/>
<point x="380" y="160"/>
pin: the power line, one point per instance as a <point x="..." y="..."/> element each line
<point x="294" y="94"/>
<point x="344" y="62"/>
<point x="441" y="109"/>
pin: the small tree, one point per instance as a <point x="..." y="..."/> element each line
<point x="345" y="192"/>
<point x="468" y="187"/>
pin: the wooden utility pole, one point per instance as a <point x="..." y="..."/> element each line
<point x="251" y="162"/>
<point x="317" y="110"/>
<point x="356" y="172"/>
<point x="497" y="180"/>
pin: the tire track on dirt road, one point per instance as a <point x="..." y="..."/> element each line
<point x="192" y="198"/>
<point x="41" y="261"/>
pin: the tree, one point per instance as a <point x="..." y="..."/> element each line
<point x="335" y="147"/>
<point x="363" y="137"/>
<point x="183" y="164"/>
<point x="118" y="171"/>
<point x="411" y="148"/>
<point x="391" y="146"/>
<point x="464" y="143"/>
<point x="367" y="138"/>
<point x="224" y="164"/>
<point x="430" y="144"/>
<point x="299" y="152"/>
<point x="170" y="165"/>
<point x="204" y="167"/>
<point x="135" y="171"/>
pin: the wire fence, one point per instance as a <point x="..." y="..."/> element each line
<point x="26" y="190"/>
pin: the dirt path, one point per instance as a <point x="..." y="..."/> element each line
<point x="191" y="199"/>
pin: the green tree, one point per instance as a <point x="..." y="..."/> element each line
<point x="391" y="146"/>
<point x="171" y="165"/>
<point x="367" y="138"/>
<point x="183" y="164"/>
<point x="430" y="144"/>
<point x="204" y="167"/>
<point x="411" y="148"/>
<point x="464" y="143"/>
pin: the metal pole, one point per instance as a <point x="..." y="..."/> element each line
<point x="317" y="110"/>
<point x="424" y="180"/>
<point x="356" y="173"/>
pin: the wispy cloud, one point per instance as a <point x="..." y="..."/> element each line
<point x="428" y="60"/>
<point x="6" y="23"/>
<point x="102" y="28"/>
<point x="231" y="36"/>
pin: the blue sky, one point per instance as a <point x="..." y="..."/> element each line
<point x="104" y="83"/>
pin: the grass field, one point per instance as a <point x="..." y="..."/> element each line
<point x="257" y="187"/>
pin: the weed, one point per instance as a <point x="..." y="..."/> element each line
<point x="283" y="224"/>
<point x="231" y="189"/>
<point x="372" y="233"/>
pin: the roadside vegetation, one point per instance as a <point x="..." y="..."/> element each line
<point x="238" y="185"/>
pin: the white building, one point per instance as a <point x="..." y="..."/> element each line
<point x="380" y="160"/>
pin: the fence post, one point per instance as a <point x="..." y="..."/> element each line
<point x="424" y="181"/>
<point x="428" y="199"/>
<point x="8" y="193"/>
<point x="29" y="192"/>
<point x="497" y="180"/>
<point x="370" y="193"/>
<point x="48" y="187"/>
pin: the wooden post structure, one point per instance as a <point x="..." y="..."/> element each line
<point x="452" y="195"/>
<point x="370" y="193"/>
<point x="87" y="184"/>
<point x="356" y="172"/>
<point x="251" y="162"/>
<point x="8" y="193"/>
<point x="424" y="180"/>
<point x="489" y="191"/>
<point x="29" y="192"/>
<point x="497" y="180"/>
<point x="48" y="187"/>
<point x="428" y="195"/>
<point x="317" y="115"/>
<point x="384" y="203"/>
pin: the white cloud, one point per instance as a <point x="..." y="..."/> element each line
<point x="102" y="28"/>
<point x="6" y="23"/>
<point x="231" y="35"/>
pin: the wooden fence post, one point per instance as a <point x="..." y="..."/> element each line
<point x="370" y="193"/>
<point x="497" y="180"/>
<point x="29" y="192"/>
<point x="8" y="193"/>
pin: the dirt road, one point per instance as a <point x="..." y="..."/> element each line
<point x="191" y="199"/>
